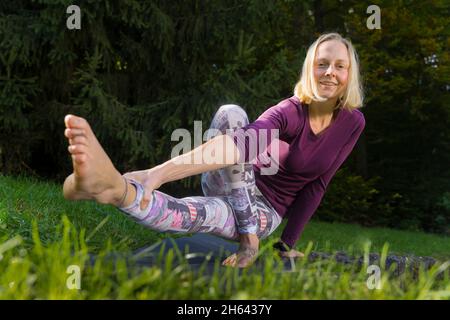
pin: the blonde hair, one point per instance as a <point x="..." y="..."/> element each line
<point x="306" y="88"/>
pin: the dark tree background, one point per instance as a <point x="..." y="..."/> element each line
<point x="137" y="70"/>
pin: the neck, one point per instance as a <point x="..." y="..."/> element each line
<point x="319" y="109"/>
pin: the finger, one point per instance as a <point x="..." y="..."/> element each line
<point x="295" y="254"/>
<point x="146" y="199"/>
<point x="228" y="261"/>
<point x="144" y="204"/>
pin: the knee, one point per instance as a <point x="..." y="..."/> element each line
<point x="236" y="115"/>
<point x="228" y="107"/>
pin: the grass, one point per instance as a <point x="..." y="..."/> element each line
<point x="330" y="237"/>
<point x="24" y="200"/>
<point x="41" y="235"/>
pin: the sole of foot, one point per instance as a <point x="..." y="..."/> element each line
<point x="94" y="176"/>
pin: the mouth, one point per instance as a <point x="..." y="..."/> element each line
<point x="327" y="83"/>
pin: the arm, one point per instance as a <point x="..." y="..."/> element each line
<point x="217" y="153"/>
<point x="224" y="149"/>
<point x="232" y="147"/>
<point x="309" y="197"/>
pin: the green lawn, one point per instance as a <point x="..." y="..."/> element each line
<point x="331" y="237"/>
<point x="33" y="261"/>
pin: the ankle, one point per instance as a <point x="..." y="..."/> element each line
<point x="124" y="194"/>
<point x="249" y="239"/>
<point x="119" y="193"/>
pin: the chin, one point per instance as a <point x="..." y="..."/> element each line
<point x="328" y="95"/>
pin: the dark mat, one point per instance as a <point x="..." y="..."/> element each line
<point x="197" y="243"/>
<point x="206" y="249"/>
<point x="198" y="250"/>
<point x="205" y="252"/>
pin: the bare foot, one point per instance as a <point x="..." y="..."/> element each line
<point x="94" y="176"/>
<point x="246" y="255"/>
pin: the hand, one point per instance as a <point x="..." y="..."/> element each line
<point x="285" y="251"/>
<point x="150" y="180"/>
<point x="291" y="254"/>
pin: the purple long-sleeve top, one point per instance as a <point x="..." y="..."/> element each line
<point x="306" y="163"/>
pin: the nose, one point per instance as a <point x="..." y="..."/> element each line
<point x="330" y="71"/>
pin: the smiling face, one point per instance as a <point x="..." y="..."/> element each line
<point x="331" y="68"/>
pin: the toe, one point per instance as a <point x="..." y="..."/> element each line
<point x="79" y="158"/>
<point x="66" y="120"/>
<point x="77" y="149"/>
<point x="78" y="140"/>
<point x="69" y="120"/>
<point x="74" y="122"/>
<point x="72" y="132"/>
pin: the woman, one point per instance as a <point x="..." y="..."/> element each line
<point x="317" y="129"/>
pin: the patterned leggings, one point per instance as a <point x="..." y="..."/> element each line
<point x="232" y="204"/>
